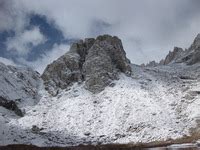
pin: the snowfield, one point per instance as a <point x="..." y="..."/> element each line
<point x="154" y="104"/>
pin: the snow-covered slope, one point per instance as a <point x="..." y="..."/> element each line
<point x="155" y="104"/>
<point x="18" y="89"/>
<point x="19" y="84"/>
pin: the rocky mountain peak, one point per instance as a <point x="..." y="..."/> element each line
<point x="196" y="43"/>
<point x="189" y="56"/>
<point x="192" y="55"/>
<point x="173" y="55"/>
<point x="97" y="62"/>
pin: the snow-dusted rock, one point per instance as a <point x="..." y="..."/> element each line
<point x="152" y="64"/>
<point x="173" y="56"/>
<point x="19" y="84"/>
<point x="95" y="61"/>
<point x="11" y="105"/>
<point x="192" y="55"/>
<point x="189" y="56"/>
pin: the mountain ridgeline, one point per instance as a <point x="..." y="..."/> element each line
<point x="188" y="56"/>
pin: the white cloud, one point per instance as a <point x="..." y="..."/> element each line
<point x="158" y="25"/>
<point x="41" y="63"/>
<point x="22" y="42"/>
<point x="7" y="61"/>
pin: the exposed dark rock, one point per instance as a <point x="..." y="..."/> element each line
<point x="173" y="56"/>
<point x="195" y="58"/>
<point x="87" y="133"/>
<point x="189" y="56"/>
<point x="192" y="55"/>
<point x="196" y="43"/>
<point x="161" y="62"/>
<point x="62" y="72"/>
<point x="140" y="146"/>
<point x="11" y="105"/>
<point x="152" y="64"/>
<point x="35" y="129"/>
<point x="186" y="77"/>
<point x="95" y="61"/>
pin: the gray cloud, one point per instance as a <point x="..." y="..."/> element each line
<point x="21" y="41"/>
<point x="148" y="28"/>
<point x="12" y="16"/>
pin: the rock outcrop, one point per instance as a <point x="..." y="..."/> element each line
<point x="173" y="56"/>
<point x="151" y="64"/>
<point x="192" y="55"/>
<point x="11" y="105"/>
<point x="189" y="56"/>
<point x="96" y="62"/>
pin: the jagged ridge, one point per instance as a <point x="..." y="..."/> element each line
<point x="188" y="56"/>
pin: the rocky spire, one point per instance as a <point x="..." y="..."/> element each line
<point x="189" y="56"/>
<point x="95" y="61"/>
<point x="173" y="56"/>
<point x="196" y="43"/>
<point x="192" y="55"/>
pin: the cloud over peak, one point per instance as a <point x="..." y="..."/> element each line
<point x="148" y="28"/>
<point x="23" y="41"/>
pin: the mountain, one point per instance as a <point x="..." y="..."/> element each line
<point x="94" y="95"/>
<point x="188" y="56"/>
<point x="97" y="62"/>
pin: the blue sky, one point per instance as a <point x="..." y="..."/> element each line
<point x="49" y="32"/>
<point x="34" y="33"/>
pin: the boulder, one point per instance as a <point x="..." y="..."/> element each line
<point x="152" y="64"/>
<point x="11" y="105"/>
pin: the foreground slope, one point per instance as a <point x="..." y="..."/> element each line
<point x="155" y="104"/>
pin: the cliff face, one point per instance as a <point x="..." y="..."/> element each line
<point x="97" y="62"/>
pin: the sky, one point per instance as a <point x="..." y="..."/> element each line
<point x="34" y="33"/>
